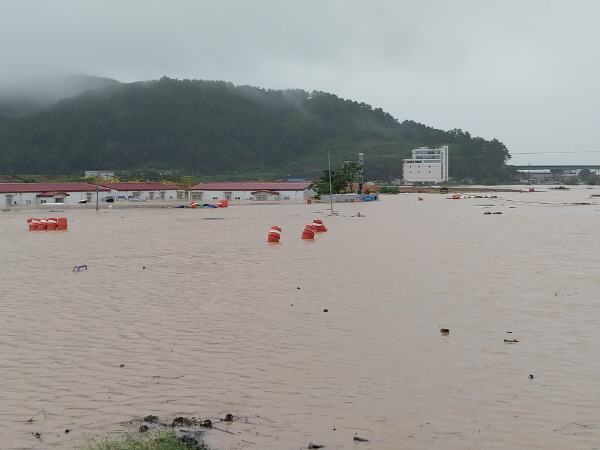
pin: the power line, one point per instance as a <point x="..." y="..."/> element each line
<point x="548" y="153"/>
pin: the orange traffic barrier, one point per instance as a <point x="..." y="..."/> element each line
<point x="308" y="201"/>
<point x="319" y="226"/>
<point x="49" y="224"/>
<point x="223" y="203"/>
<point x="274" y="234"/>
<point x="52" y="224"/>
<point x="62" y="223"/>
<point x="309" y="232"/>
<point x="33" y="223"/>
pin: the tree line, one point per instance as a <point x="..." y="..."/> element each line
<point x="211" y="129"/>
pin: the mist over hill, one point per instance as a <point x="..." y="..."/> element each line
<point x="23" y="97"/>
<point x="210" y="128"/>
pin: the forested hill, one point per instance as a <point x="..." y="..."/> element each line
<point x="211" y="128"/>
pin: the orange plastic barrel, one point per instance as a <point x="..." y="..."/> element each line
<point x="52" y="224"/>
<point x="319" y="226"/>
<point x="308" y="233"/>
<point x="62" y="223"/>
<point x="33" y="223"/>
<point x="223" y="204"/>
<point x="274" y="234"/>
<point x="308" y="201"/>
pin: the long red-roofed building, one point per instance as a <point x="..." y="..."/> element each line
<point x="251" y="190"/>
<point x="150" y="190"/>
<point x="17" y="194"/>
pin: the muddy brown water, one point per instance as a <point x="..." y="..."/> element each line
<point x="189" y="312"/>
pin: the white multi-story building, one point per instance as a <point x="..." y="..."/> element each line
<point x="427" y="165"/>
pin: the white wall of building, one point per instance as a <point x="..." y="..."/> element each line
<point x="31" y="198"/>
<point x="163" y="194"/>
<point x="427" y="165"/>
<point x="213" y="196"/>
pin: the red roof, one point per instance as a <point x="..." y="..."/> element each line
<point x="252" y="186"/>
<point x="147" y="186"/>
<point x="21" y="188"/>
<point x="51" y="194"/>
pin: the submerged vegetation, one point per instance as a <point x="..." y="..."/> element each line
<point x="164" y="439"/>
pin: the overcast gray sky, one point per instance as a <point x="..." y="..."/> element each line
<point x="523" y="71"/>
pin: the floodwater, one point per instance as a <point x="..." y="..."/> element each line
<point x="189" y="312"/>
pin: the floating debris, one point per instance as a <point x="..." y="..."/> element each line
<point x="510" y="341"/>
<point x="311" y="445"/>
<point x="531" y="376"/>
<point x="445" y="331"/>
<point x="359" y="438"/>
<point x="181" y="422"/>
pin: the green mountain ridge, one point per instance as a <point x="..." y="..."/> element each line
<point x="210" y="128"/>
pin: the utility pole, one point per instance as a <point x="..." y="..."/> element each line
<point x="97" y="190"/>
<point x="330" y="184"/>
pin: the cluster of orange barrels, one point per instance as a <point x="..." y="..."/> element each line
<point x="308" y="232"/>
<point x="50" y="224"/>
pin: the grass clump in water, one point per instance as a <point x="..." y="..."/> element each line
<point x="167" y="439"/>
